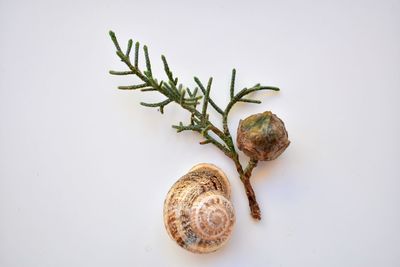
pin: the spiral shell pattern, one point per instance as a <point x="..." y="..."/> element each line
<point x="198" y="213"/>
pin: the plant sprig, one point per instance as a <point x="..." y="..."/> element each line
<point x="190" y="100"/>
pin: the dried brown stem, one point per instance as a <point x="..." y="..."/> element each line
<point x="251" y="196"/>
<point x="245" y="175"/>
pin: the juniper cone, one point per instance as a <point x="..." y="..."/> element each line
<point x="262" y="136"/>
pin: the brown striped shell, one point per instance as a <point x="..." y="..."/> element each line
<point x="198" y="213"/>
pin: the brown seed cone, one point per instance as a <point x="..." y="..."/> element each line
<point x="262" y="136"/>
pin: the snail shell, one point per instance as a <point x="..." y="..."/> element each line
<point x="198" y="213"/>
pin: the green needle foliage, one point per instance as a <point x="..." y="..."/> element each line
<point x="190" y="100"/>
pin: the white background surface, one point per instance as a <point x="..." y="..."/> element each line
<point x="84" y="168"/>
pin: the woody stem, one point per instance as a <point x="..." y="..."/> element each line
<point x="245" y="175"/>
<point x="251" y="196"/>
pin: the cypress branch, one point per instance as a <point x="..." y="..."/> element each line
<point x="206" y="98"/>
<point x="182" y="97"/>
<point x="132" y="87"/>
<point x="128" y="49"/>
<point x="166" y="68"/>
<point x="250" y="101"/>
<point x="189" y="92"/>
<point x="232" y="89"/>
<point x="203" y="90"/>
<point x="195" y="91"/>
<point x="269" y="88"/>
<point x="159" y="104"/>
<point x="115" y="41"/>
<point x="121" y="72"/>
<point x="180" y="128"/>
<point x="137" y="54"/>
<point x="148" y="65"/>
<point x="199" y="119"/>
